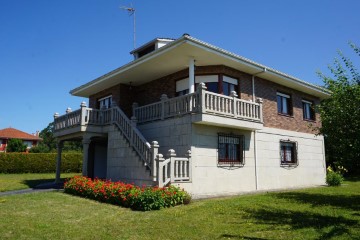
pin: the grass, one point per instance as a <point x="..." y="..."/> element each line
<point x="9" y="182"/>
<point x="316" y="213"/>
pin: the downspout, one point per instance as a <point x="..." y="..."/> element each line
<point x="255" y="148"/>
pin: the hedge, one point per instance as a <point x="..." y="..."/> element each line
<point x="39" y="162"/>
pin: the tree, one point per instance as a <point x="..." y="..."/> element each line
<point x="15" y="145"/>
<point x="49" y="142"/>
<point x="340" y="114"/>
<point x="48" y="138"/>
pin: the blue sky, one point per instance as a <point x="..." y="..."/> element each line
<point x="48" y="47"/>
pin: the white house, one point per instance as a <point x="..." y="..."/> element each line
<point x="192" y="114"/>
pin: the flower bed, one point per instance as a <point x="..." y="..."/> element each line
<point x="126" y="195"/>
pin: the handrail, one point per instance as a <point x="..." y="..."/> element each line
<point x="200" y="101"/>
<point x="167" y="107"/>
<point x="133" y="135"/>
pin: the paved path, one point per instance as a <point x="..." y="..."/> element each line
<point x="44" y="187"/>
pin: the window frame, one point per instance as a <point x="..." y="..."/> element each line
<point x="103" y="99"/>
<point x="226" y="147"/>
<point x="289" y="105"/>
<point x="220" y="81"/>
<point x="311" y="110"/>
<point x="294" y="153"/>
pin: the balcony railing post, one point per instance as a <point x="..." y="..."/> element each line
<point x="56" y="115"/>
<point x="163" y="98"/>
<point x="172" y="155"/>
<point x="260" y="102"/>
<point x="83" y="114"/>
<point x="154" y="153"/>
<point x="159" y="168"/>
<point x="201" y="92"/>
<point x="188" y="156"/>
<point x="234" y="96"/>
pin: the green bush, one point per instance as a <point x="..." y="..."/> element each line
<point x="334" y="178"/>
<point x="39" y="162"/>
<point x="127" y="195"/>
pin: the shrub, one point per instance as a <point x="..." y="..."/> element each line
<point x="126" y="195"/>
<point x="334" y="178"/>
<point x="15" y="145"/>
<point x="39" y="162"/>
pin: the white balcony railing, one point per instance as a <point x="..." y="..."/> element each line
<point x="201" y="101"/>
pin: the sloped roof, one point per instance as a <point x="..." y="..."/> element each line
<point x="9" y="133"/>
<point x="175" y="56"/>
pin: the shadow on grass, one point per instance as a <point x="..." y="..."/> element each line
<point x="350" y="202"/>
<point x="301" y="220"/>
<point x="33" y="183"/>
<point x="230" y="236"/>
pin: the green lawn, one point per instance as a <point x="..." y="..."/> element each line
<point x="10" y="182"/>
<point x="317" y="213"/>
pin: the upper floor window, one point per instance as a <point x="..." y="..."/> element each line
<point x="308" y="110"/>
<point x="288" y="152"/>
<point x="284" y="105"/>
<point x="224" y="85"/>
<point x="105" y="102"/>
<point x="231" y="149"/>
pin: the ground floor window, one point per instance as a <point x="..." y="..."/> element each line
<point x="231" y="149"/>
<point x="288" y="152"/>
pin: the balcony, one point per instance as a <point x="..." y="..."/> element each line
<point x="205" y="108"/>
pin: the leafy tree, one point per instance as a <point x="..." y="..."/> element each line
<point x="48" y="137"/>
<point x="340" y="114"/>
<point x="49" y="142"/>
<point x="15" y="145"/>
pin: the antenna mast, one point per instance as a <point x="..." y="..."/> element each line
<point x="131" y="12"/>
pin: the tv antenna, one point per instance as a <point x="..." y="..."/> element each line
<point x="131" y="12"/>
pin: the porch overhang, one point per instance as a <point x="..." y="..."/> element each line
<point x="175" y="56"/>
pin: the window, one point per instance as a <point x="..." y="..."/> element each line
<point x="288" y="152"/>
<point x="308" y="110"/>
<point x="231" y="149"/>
<point x="213" y="84"/>
<point x="105" y="102"/>
<point x="284" y="104"/>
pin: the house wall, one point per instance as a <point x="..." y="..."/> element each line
<point x="173" y="133"/>
<point x="123" y="164"/>
<point x="311" y="158"/>
<point x="150" y="92"/>
<point x="209" y="179"/>
<point x="267" y="91"/>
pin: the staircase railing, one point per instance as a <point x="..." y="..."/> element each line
<point x="173" y="169"/>
<point x="133" y="135"/>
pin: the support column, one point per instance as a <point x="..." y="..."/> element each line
<point x="59" y="147"/>
<point x="191" y="75"/>
<point x="86" y="143"/>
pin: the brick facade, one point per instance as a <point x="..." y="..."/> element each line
<point x="150" y="92"/>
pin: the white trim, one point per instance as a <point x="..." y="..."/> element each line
<point x="283" y="95"/>
<point x="207" y="78"/>
<point x="305" y="101"/>
<point x="182" y="84"/>
<point x="230" y="80"/>
<point x="109" y="96"/>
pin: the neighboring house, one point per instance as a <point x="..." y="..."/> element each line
<point x="30" y="140"/>
<point x="222" y="123"/>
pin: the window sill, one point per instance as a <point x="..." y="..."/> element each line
<point x="289" y="165"/>
<point x="230" y="164"/>
<point x="285" y="115"/>
<point x="310" y="120"/>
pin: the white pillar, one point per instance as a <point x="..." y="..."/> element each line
<point x="191" y="75"/>
<point x="59" y="146"/>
